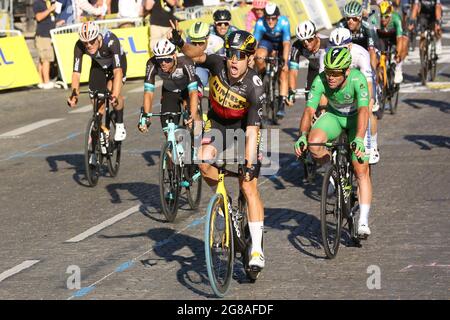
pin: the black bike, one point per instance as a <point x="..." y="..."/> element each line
<point x="428" y="56"/>
<point x="389" y="90"/>
<point x="99" y="140"/>
<point x="339" y="196"/>
<point x="271" y="89"/>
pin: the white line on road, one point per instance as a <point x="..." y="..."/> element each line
<point x="29" y="128"/>
<point x="24" y="265"/>
<point x="104" y="224"/>
<point x="82" y="109"/>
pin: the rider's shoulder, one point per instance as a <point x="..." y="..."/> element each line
<point x="260" y="22"/>
<point x="355" y="74"/>
<point x="283" y="20"/>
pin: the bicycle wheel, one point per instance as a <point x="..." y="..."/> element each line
<point x="114" y="151"/>
<point x="393" y="91"/>
<point x="433" y="59"/>
<point x="219" y="251"/>
<point x="169" y="184"/>
<point x="331" y="213"/>
<point x="92" y="154"/>
<point x="194" y="191"/>
<point x="424" y="63"/>
<point x="309" y="167"/>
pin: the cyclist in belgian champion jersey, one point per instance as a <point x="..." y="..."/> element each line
<point x="348" y="108"/>
<point x="236" y="97"/>
<point x="108" y="69"/>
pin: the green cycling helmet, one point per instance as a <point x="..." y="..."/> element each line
<point x="198" y="32"/>
<point x="338" y="58"/>
<point x="352" y="9"/>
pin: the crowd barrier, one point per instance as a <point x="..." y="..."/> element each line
<point x="134" y="40"/>
<point x="17" y="68"/>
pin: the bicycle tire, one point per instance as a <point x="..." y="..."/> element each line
<point x="219" y="281"/>
<point x="433" y="60"/>
<point x="194" y="194"/>
<point x="331" y="247"/>
<point x="92" y="146"/>
<point x="169" y="205"/>
<point x="114" y="151"/>
<point x="424" y="63"/>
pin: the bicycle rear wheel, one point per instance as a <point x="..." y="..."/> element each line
<point x="114" y="151"/>
<point x="331" y="213"/>
<point x="424" y="63"/>
<point x="92" y="154"/>
<point x="194" y="191"/>
<point x="169" y="183"/>
<point x="433" y="60"/>
<point x="219" y="251"/>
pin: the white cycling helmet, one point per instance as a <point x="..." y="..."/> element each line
<point x="305" y="30"/>
<point x="163" y="48"/>
<point x="88" y="31"/>
<point x="340" y="37"/>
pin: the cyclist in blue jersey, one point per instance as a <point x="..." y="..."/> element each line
<point x="273" y="35"/>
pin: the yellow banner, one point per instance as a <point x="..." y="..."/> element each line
<point x="135" y="42"/>
<point x="333" y="10"/>
<point x="17" y="68"/>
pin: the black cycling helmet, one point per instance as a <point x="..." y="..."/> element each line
<point x="241" y="40"/>
<point x="222" y="15"/>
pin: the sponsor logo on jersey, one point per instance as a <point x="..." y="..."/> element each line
<point x="257" y="81"/>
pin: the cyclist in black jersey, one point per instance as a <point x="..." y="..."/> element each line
<point x="429" y="13"/>
<point x="237" y="97"/>
<point x="180" y="83"/>
<point x="108" y="69"/>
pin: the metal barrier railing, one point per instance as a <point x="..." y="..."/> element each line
<point x="103" y="25"/>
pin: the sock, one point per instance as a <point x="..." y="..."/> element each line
<point x="399" y="66"/>
<point x="364" y="214"/>
<point x="374" y="141"/>
<point x="119" y="116"/>
<point x="256" y="231"/>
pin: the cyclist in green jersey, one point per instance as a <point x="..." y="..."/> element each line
<point x="391" y="30"/>
<point x="348" y="109"/>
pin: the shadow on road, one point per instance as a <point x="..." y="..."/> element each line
<point x="149" y="156"/>
<point x="77" y="163"/>
<point x="420" y="103"/>
<point x="427" y="142"/>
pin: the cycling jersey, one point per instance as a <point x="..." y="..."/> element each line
<point x="298" y="50"/>
<point x="342" y="101"/>
<point x="427" y="6"/>
<point x="212" y="30"/>
<point x="366" y="36"/>
<point x="280" y="33"/>
<point x="109" y="56"/>
<point x="241" y="101"/>
<point x="181" y="78"/>
<point x="360" y="60"/>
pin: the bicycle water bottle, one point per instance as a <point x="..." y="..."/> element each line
<point x="102" y="142"/>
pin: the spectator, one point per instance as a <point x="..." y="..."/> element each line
<point x="84" y="8"/>
<point x="162" y="11"/>
<point x="113" y="6"/>
<point x="45" y="16"/>
<point x="66" y="16"/>
<point x="254" y="14"/>
<point x="132" y="8"/>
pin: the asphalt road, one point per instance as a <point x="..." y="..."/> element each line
<point x="45" y="204"/>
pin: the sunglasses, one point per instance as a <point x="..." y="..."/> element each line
<point x="271" y="18"/>
<point x="222" y="24"/>
<point x="355" y="19"/>
<point x="240" y="55"/>
<point x="308" y="40"/>
<point x="334" y="73"/>
<point x="166" y="60"/>
<point x="385" y="16"/>
<point x="92" y="42"/>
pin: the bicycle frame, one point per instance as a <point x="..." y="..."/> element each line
<point x="223" y="192"/>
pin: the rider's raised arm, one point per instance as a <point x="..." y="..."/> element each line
<point x="189" y="71"/>
<point x="149" y="86"/>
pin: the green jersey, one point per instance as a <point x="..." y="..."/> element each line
<point x="394" y="26"/>
<point x="342" y="101"/>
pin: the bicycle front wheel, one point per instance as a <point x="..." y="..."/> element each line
<point x="92" y="153"/>
<point x="169" y="183"/>
<point x="424" y="63"/>
<point x="331" y="213"/>
<point x="219" y="249"/>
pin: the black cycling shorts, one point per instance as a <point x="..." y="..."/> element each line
<point x="99" y="77"/>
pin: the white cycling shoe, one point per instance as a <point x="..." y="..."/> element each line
<point x="121" y="133"/>
<point x="363" y="230"/>
<point x="257" y="261"/>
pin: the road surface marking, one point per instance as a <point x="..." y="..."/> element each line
<point x="86" y="108"/>
<point x="30" y="127"/>
<point x="24" y="265"/>
<point x="104" y="224"/>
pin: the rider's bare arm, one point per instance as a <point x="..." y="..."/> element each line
<point x="251" y="140"/>
<point x="117" y="82"/>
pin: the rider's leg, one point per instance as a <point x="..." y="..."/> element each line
<point x="283" y="92"/>
<point x="326" y="128"/>
<point x="209" y="173"/>
<point x="264" y="49"/>
<point x="364" y="195"/>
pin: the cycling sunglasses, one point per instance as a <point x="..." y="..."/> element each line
<point x="166" y="60"/>
<point x="89" y="42"/>
<point x="308" y="40"/>
<point x="385" y="16"/>
<point x="222" y="24"/>
<point x="272" y="18"/>
<point x="198" y="43"/>
<point x="355" y="19"/>
<point x="240" y="55"/>
<point x="334" y="73"/>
